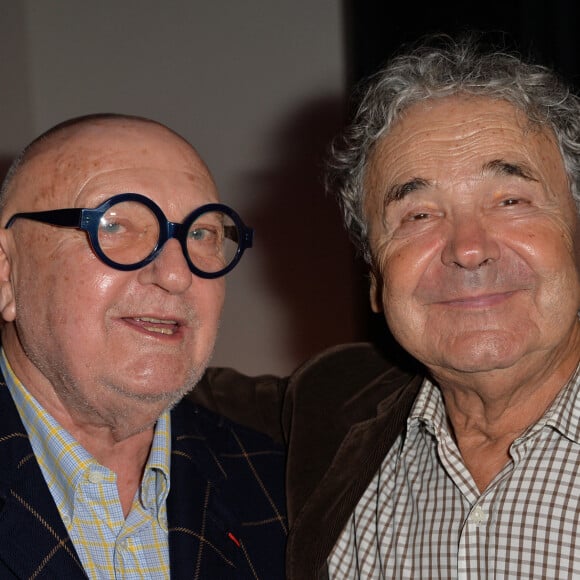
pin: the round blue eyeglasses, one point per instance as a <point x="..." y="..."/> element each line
<point x="128" y="231"/>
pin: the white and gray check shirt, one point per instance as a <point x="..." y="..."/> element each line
<point x="423" y="517"/>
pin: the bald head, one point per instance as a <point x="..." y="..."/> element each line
<point x="95" y="343"/>
<point x="86" y="135"/>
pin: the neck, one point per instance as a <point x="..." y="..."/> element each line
<point x="124" y="451"/>
<point x="126" y="458"/>
<point x="118" y="436"/>
<point x="487" y="411"/>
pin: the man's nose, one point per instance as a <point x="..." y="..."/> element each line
<point x="169" y="270"/>
<point x="470" y="243"/>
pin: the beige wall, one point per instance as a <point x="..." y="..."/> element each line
<point x="257" y="86"/>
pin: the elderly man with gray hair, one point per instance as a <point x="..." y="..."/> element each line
<point x="459" y="180"/>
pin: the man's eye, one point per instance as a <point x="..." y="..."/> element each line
<point x="110" y="227"/>
<point x="511" y="201"/>
<point x="201" y="234"/>
<point x="418" y="216"/>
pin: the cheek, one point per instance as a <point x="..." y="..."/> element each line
<point x="209" y="300"/>
<point x="549" y="250"/>
<point x="554" y="261"/>
<point x="404" y="264"/>
<point x="400" y="274"/>
<point x="65" y="288"/>
<point x="546" y="249"/>
<point x="83" y="301"/>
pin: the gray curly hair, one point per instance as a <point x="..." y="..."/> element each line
<point x="436" y="70"/>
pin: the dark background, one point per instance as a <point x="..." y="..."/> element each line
<point x="544" y="31"/>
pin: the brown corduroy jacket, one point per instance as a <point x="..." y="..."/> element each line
<point x="339" y="414"/>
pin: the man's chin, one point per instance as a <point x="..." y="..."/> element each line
<point x="164" y="397"/>
<point x="479" y="354"/>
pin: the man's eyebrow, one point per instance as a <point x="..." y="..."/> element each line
<point x="498" y="167"/>
<point x="507" y="168"/>
<point x="401" y="190"/>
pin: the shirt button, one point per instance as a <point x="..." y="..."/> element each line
<point x="96" y="476"/>
<point x="477" y="515"/>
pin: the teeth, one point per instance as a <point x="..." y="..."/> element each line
<point x="159" y="330"/>
<point x="167" y="328"/>
<point x="156" y="320"/>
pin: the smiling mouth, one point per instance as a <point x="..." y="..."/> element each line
<point x="482" y="301"/>
<point x="157" y="325"/>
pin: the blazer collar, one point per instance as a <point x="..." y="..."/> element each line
<point x="33" y="539"/>
<point x="194" y="502"/>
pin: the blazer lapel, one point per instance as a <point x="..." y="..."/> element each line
<point x="33" y="539"/>
<point x="202" y="530"/>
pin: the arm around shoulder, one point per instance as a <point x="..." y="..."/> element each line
<point x="255" y="402"/>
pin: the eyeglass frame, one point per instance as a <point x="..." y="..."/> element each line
<point x="88" y="220"/>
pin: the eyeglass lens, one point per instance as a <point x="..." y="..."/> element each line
<point x="129" y="232"/>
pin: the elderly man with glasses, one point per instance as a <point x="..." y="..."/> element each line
<point x="110" y="313"/>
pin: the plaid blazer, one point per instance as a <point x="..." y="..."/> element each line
<point x="225" y="508"/>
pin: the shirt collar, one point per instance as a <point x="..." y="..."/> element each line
<point x="563" y="414"/>
<point x="67" y="461"/>
<point x="429" y="409"/>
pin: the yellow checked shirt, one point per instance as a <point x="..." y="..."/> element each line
<point x="85" y="492"/>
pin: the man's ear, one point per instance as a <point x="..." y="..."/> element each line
<point x="376" y="292"/>
<point x="7" y="300"/>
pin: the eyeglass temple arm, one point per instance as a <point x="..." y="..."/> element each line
<point x="68" y="218"/>
<point x="247" y="234"/>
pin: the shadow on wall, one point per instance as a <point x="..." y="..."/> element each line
<point x="309" y="260"/>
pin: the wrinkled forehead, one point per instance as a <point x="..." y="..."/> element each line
<point x="68" y="164"/>
<point x="453" y="134"/>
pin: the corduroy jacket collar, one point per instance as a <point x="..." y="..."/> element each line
<point x="342" y="412"/>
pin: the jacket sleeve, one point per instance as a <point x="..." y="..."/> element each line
<point x="255" y="402"/>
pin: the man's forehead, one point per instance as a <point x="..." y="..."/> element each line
<point x="113" y="144"/>
<point x="60" y="167"/>
<point x="459" y="115"/>
<point x="462" y="129"/>
<point x="456" y="141"/>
